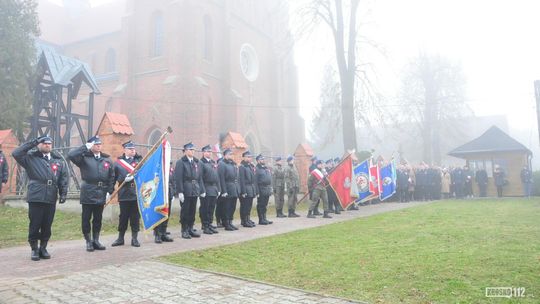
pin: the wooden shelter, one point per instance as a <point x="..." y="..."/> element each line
<point x="496" y="148"/>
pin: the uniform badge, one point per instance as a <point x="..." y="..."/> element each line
<point x="106" y="165"/>
<point x="54" y="168"/>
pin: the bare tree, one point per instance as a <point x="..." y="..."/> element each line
<point x="327" y="121"/>
<point x="433" y="94"/>
<point x="341" y="19"/>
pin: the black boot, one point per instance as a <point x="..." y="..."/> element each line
<point x="227" y="225"/>
<point x="266" y="220"/>
<point x="164" y="236"/>
<point x="244" y="222"/>
<point x="35" y="251"/>
<point x="213" y="229"/>
<point x="157" y="236"/>
<point x="193" y="232"/>
<point x="206" y="229"/>
<point x="134" y="241"/>
<point x="233" y="226"/>
<point x="337" y="207"/>
<point x="43" y="250"/>
<point x="220" y="223"/>
<point x="89" y="243"/>
<point x="120" y="240"/>
<point x="261" y="219"/>
<point x="317" y="212"/>
<point x="326" y="215"/>
<point x="292" y="214"/>
<point x="250" y="222"/>
<point x="97" y="244"/>
<point x="279" y="213"/>
<point x="310" y="214"/>
<point x="185" y="232"/>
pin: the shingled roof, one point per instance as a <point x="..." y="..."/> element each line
<point x="493" y="140"/>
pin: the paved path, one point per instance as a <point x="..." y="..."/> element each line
<point x="21" y="279"/>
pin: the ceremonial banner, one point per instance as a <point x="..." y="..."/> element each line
<point x="374" y="181"/>
<point x="341" y="181"/>
<point x="152" y="186"/>
<point x="361" y="175"/>
<point x="387" y="182"/>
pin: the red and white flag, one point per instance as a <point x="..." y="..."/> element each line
<point x="341" y="181"/>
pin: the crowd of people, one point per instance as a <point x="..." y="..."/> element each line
<point x="213" y="185"/>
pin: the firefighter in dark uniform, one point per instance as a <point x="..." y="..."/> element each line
<point x="278" y="184"/>
<point x="210" y="179"/>
<point x="263" y="176"/>
<point x="48" y="180"/>
<point x="160" y="231"/>
<point x="4" y="172"/>
<point x="97" y="174"/>
<point x="127" y="196"/>
<point x="220" y="204"/>
<point x="228" y="178"/>
<point x="248" y="189"/>
<point x="189" y="186"/>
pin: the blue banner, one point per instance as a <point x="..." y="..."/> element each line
<point x="387" y="181"/>
<point x="152" y="186"/>
<point x="361" y="176"/>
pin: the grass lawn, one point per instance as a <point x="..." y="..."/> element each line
<point x="66" y="226"/>
<point x="445" y="252"/>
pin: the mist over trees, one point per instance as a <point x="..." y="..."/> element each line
<point x="433" y="99"/>
<point x="18" y="26"/>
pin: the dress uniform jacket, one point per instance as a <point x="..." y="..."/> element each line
<point x="97" y="175"/>
<point x="264" y="180"/>
<point x="127" y="192"/>
<point x="210" y="177"/>
<point x="228" y="178"/>
<point x="47" y="178"/>
<point x="188" y="177"/>
<point x="248" y="184"/>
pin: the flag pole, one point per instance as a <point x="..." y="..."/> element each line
<point x="154" y="147"/>
<point x="326" y="177"/>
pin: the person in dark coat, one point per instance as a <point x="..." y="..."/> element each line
<point x="263" y="176"/>
<point x="189" y="186"/>
<point x="333" y="201"/>
<point x="499" y="178"/>
<point x="160" y="231"/>
<point x="228" y="178"/>
<point x="526" y="181"/>
<point x="97" y="174"/>
<point x="468" y="178"/>
<point x="212" y="186"/>
<point x="48" y="181"/>
<point x="458" y="181"/>
<point x="127" y="196"/>
<point x="220" y="204"/>
<point x="481" y="179"/>
<point x="4" y="172"/>
<point x="248" y="188"/>
<point x="403" y="184"/>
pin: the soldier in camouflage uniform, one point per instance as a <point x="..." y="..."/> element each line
<point x="292" y="185"/>
<point x="318" y="182"/>
<point x="278" y="182"/>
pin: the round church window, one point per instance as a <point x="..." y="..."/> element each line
<point x="249" y="63"/>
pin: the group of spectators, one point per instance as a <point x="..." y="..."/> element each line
<point x="425" y="182"/>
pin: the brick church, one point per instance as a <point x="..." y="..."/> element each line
<point x="204" y="67"/>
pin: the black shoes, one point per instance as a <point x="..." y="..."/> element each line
<point x="279" y="213"/>
<point x="310" y="214"/>
<point x="43" y="251"/>
<point x="96" y="243"/>
<point x="34" y="255"/>
<point x="292" y="213"/>
<point x="326" y="215"/>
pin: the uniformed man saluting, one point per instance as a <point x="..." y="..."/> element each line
<point x="48" y="179"/>
<point x="97" y="174"/>
<point x="127" y="196"/>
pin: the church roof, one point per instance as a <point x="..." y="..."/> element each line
<point x="493" y="140"/>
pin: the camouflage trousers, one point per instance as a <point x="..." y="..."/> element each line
<point x="279" y="197"/>
<point x="322" y="195"/>
<point x="292" y="198"/>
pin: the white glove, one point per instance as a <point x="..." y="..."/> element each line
<point x="107" y="197"/>
<point x="89" y="145"/>
<point x="128" y="178"/>
<point x="203" y="195"/>
<point x="181" y="197"/>
<point x="224" y="194"/>
<point x="219" y="193"/>
<point x="244" y="195"/>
